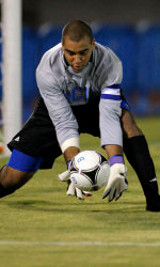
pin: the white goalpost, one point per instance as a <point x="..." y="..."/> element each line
<point x="11" y="69"/>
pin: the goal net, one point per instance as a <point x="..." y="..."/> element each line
<point x="11" y="100"/>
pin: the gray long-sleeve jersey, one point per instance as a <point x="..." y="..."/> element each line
<point x="61" y="87"/>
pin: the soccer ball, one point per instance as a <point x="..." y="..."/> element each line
<point x="89" y="170"/>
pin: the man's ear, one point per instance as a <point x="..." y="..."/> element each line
<point x="93" y="42"/>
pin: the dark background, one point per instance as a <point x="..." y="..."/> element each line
<point x="130" y="28"/>
<point x="37" y="12"/>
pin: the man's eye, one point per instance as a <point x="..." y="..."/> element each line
<point x="71" y="53"/>
<point x="82" y="53"/>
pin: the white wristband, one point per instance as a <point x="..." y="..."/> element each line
<point x="74" y="141"/>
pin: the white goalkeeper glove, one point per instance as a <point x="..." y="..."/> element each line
<point x="72" y="190"/>
<point x="117" y="182"/>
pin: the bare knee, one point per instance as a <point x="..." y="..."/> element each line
<point x="12" y="178"/>
<point x="129" y="125"/>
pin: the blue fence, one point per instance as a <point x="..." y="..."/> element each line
<point x="139" y="51"/>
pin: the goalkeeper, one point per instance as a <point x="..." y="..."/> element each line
<point x="79" y="81"/>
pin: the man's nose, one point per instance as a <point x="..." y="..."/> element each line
<point x="78" y="59"/>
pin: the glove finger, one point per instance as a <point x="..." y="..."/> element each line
<point x="71" y="189"/>
<point x="123" y="186"/>
<point x="64" y="176"/>
<point x="106" y="193"/>
<point x="79" y="193"/>
<point x="112" y="194"/>
<point x="126" y="184"/>
<point x="118" y="193"/>
<point x="118" y="196"/>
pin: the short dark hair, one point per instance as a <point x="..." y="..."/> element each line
<point x="76" y="30"/>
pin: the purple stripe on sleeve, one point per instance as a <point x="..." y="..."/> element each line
<point x="114" y="97"/>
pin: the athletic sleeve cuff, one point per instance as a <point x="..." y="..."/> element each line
<point x="116" y="159"/>
<point x="70" y="142"/>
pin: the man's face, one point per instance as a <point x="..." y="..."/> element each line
<point x="78" y="53"/>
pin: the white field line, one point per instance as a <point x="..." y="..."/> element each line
<point x="79" y="243"/>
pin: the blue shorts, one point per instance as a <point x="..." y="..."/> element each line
<point x="23" y="162"/>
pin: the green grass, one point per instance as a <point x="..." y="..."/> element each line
<point x="40" y="214"/>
